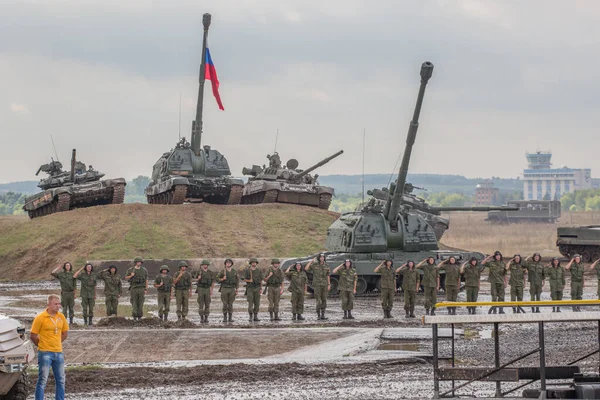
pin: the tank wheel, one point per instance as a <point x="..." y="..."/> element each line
<point x="333" y="291"/>
<point x="361" y="286"/>
<point x="596" y="255"/>
<point x="235" y="195"/>
<point x="270" y="196"/>
<point x="118" y="194"/>
<point x="179" y="193"/>
<point x="64" y="202"/>
<point x="324" y="201"/>
<point x="585" y="256"/>
<point x="20" y="389"/>
<point x="150" y="199"/>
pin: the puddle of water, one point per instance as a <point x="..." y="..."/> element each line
<point x="404" y="346"/>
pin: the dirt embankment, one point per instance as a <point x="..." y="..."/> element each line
<point x="30" y="249"/>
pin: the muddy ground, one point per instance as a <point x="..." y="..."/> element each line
<point x="122" y="359"/>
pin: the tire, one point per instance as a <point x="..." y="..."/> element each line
<point x="361" y="286"/>
<point x="20" y="389"/>
<point x="586" y="257"/>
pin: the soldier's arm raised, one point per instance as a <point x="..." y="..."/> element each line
<point x="336" y="269"/>
<point x="441" y="264"/>
<point x="462" y="267"/>
<point x="309" y="264"/>
<point x="568" y="266"/>
<point x="377" y="268"/>
<point x="76" y="274"/>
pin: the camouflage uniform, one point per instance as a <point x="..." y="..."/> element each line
<point x="112" y="290"/>
<point x="253" y="291"/>
<point x="576" y="280"/>
<point x="68" y="284"/>
<point x="556" y="276"/>
<point x="228" y="289"/>
<point x="298" y="281"/>
<point x="182" y="292"/>
<point x="517" y="281"/>
<point x="204" y="284"/>
<point x="319" y="283"/>
<point x="497" y="271"/>
<point x="346" y="285"/>
<point x="535" y="274"/>
<point x="409" y="286"/>
<point x="472" y="275"/>
<point x="452" y="282"/>
<point x="88" y="293"/>
<point x="163" y="294"/>
<point x="388" y="288"/>
<point x="274" y="291"/>
<point x="137" y="290"/>
<point x="429" y="282"/>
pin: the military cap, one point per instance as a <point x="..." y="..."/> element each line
<point x="183" y="264"/>
<point x="228" y="260"/>
<point x="577" y="255"/>
<point x="253" y="260"/>
<point x="113" y="267"/>
<point x="275" y="261"/>
<point x="205" y="262"/>
<point x="138" y="259"/>
<point x="164" y="268"/>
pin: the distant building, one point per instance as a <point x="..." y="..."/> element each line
<point x="486" y="194"/>
<point x="541" y="182"/>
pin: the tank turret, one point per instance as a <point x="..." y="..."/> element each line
<point x="192" y="172"/>
<point x="286" y="184"/>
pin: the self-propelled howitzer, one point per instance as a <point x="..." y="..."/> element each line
<point x="191" y="172"/>
<point x="287" y="184"/>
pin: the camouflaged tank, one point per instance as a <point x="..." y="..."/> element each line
<point x="287" y="184"/>
<point x="80" y="187"/>
<point x="191" y="172"/>
<point x="393" y="225"/>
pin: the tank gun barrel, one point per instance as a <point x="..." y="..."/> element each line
<point x="475" y="208"/>
<point x="73" y="155"/>
<point x="426" y="72"/>
<point x="197" y="123"/>
<point x="320" y="163"/>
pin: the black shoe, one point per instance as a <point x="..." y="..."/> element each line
<point x="276" y="316"/>
<point x="323" y="317"/>
<point x="432" y="311"/>
<point x="318" y="314"/>
<point x="407" y="314"/>
<point x="427" y="311"/>
<point x="91" y="323"/>
<point x="350" y="314"/>
<point x="256" y="318"/>
<point x="501" y="311"/>
<point x="449" y="310"/>
<point x="300" y="317"/>
<point x="230" y="317"/>
<point x="85" y="321"/>
<point x="70" y="320"/>
<point x="557" y="309"/>
<point x="389" y="313"/>
<point x="385" y="314"/>
<point x="412" y="313"/>
<point x="345" y="315"/>
<point x="553" y="309"/>
<point x="224" y="317"/>
<point x="537" y="309"/>
<point x="514" y="310"/>
<point x="271" y="316"/>
<point x="250" y="317"/>
<point x="293" y="317"/>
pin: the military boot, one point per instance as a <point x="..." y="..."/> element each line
<point x="412" y="312"/>
<point x="323" y="317"/>
<point x="71" y="320"/>
<point x="345" y="315"/>
<point x="166" y="317"/>
<point x="389" y="314"/>
<point x="407" y="314"/>
<point x="557" y="309"/>
<point x="250" y="317"/>
<point x="270" y="315"/>
<point x="318" y="314"/>
<point x="230" y="317"/>
<point x="501" y="311"/>
<point x="85" y="321"/>
<point x="224" y="317"/>
<point x="256" y="317"/>
<point x="515" y="310"/>
<point x="276" y="316"/>
<point x="532" y="309"/>
<point x="553" y="309"/>
<point x="350" y="314"/>
<point x="90" y="323"/>
<point x="574" y="308"/>
<point x="206" y="318"/>
<point x="293" y="317"/>
<point x="537" y="309"/>
<point x="300" y="317"/>
<point x="432" y="311"/>
<point x="427" y="311"/>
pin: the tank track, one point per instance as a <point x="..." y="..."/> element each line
<point x="235" y="195"/>
<point x="174" y="196"/>
<point x="269" y="196"/>
<point x="324" y="201"/>
<point x="118" y="194"/>
<point x="61" y="203"/>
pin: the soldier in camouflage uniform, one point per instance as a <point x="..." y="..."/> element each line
<point x="556" y="275"/>
<point x="253" y="277"/>
<point x="577" y="282"/>
<point x="298" y="287"/>
<point x="535" y="274"/>
<point x="388" y="286"/>
<point x="182" y="280"/>
<point x="137" y="276"/>
<point x="430" y="282"/>
<point x="113" y="289"/>
<point x="518" y="279"/>
<point x="410" y="286"/>
<point x="88" y="281"/>
<point x="321" y="283"/>
<point x="347" y="286"/>
<point x="472" y="273"/>
<point x="229" y="280"/>
<point x="274" y="282"/>
<point x="497" y="277"/>
<point x="205" y="283"/>
<point x="68" y="284"/>
<point x="452" y="280"/>
<point x="596" y="266"/>
<point x="164" y="292"/>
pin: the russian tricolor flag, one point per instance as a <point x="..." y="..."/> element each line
<point x="211" y="75"/>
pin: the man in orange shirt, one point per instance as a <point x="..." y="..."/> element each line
<point x="48" y="331"/>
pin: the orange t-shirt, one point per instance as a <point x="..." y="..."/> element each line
<point x="49" y="329"/>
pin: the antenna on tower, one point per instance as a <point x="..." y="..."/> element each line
<point x="54" y="147"/>
<point x="276" y="138"/>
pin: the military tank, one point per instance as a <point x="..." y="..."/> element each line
<point x="286" y="183"/>
<point x="65" y="190"/>
<point x="583" y="240"/>
<point x="191" y="172"/>
<point x="393" y="224"/>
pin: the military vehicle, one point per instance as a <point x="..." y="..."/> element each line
<point x="397" y="226"/>
<point x="77" y="188"/>
<point x="286" y="184"/>
<point x="583" y="240"/>
<point x="191" y="172"/>
<point x="544" y="211"/>
<point x="16" y="351"/>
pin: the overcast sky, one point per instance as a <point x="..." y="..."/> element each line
<point x="105" y="76"/>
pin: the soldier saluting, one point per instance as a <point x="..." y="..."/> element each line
<point x="452" y="282"/>
<point x="183" y="289"/>
<point x="205" y="284"/>
<point x="298" y="287"/>
<point x="68" y="284"/>
<point x="497" y="277"/>
<point x="347" y="286"/>
<point x="556" y="275"/>
<point x="321" y="283"/>
<point x="388" y="286"/>
<point x="88" y="291"/>
<point x="113" y="289"/>
<point x="518" y="279"/>
<point x="472" y="273"/>
<point x="253" y="278"/>
<point x="577" y="282"/>
<point x="230" y="282"/>
<point x="410" y="286"/>
<point x="535" y="273"/>
<point x="431" y="283"/>
<point x="274" y="281"/>
<point x="138" y="287"/>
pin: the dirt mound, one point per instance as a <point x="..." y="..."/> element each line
<point x="30" y="249"/>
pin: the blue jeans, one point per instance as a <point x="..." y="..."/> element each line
<point x="56" y="361"/>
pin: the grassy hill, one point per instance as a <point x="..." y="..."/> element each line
<point x="28" y="248"/>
